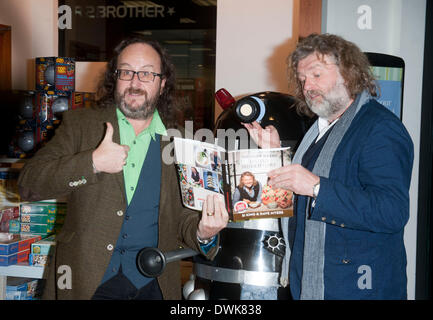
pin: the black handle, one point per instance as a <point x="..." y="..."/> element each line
<point x="151" y="262"/>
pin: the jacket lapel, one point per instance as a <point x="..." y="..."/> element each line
<point x="109" y="115"/>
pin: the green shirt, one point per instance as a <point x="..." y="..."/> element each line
<point x="138" y="146"/>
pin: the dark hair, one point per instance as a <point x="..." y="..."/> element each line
<point x="351" y="61"/>
<point x="165" y="104"/>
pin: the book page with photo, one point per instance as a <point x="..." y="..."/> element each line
<point x="200" y="169"/>
<point x="240" y="176"/>
<point x="252" y="197"/>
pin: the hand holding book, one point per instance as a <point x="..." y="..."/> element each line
<point x="214" y="217"/>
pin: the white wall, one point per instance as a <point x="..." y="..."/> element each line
<point x="254" y="38"/>
<point x="398" y="28"/>
<point x="34" y="34"/>
<point x="88" y="75"/>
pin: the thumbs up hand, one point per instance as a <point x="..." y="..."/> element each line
<point x="109" y="156"/>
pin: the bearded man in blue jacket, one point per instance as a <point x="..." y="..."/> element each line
<point x="350" y="176"/>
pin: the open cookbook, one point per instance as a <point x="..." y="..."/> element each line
<point x="240" y="176"/>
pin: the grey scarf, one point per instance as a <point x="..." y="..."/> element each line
<point x="312" y="285"/>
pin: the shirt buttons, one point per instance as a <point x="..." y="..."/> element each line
<point x="110" y="247"/>
<point x="132" y="188"/>
<point x="133" y="165"/>
<point x="120" y="213"/>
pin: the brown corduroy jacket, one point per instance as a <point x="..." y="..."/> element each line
<point x="96" y="207"/>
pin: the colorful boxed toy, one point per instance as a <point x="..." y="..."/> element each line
<point x="22" y="256"/>
<point x="8" y="260"/>
<point x="42" y="218"/>
<point x="10" y="245"/>
<point x="48" y="113"/>
<point x="21" y="288"/>
<point x="37" y="228"/>
<point x="55" y="73"/>
<point x="82" y="99"/>
<point x="17" y="243"/>
<point x="56" y="208"/>
<point x="38" y="260"/>
<point x="44" y="246"/>
<point x="50" y="104"/>
<point x="14" y="226"/>
<point x="7" y="214"/>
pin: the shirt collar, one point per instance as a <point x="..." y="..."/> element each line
<point x="156" y="125"/>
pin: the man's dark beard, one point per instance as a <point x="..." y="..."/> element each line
<point x="143" y="112"/>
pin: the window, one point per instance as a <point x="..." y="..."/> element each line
<point x="186" y="28"/>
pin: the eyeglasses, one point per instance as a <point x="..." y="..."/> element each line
<point x="143" y="76"/>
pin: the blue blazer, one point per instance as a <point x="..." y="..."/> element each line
<point x="365" y="203"/>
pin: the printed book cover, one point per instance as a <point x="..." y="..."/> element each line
<point x="240" y="176"/>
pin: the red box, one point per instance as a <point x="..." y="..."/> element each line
<point x="22" y="256"/>
<point x="7" y="214"/>
<point x="17" y="244"/>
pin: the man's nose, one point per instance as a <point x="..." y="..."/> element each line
<point x="135" y="82"/>
<point x="309" y="84"/>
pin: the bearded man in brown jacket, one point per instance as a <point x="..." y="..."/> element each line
<point x="122" y="195"/>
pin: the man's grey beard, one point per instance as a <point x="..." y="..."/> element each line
<point x="333" y="102"/>
<point x="143" y="112"/>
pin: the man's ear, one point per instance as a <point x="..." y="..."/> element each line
<point x="161" y="90"/>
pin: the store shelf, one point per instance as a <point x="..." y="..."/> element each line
<point x="22" y="270"/>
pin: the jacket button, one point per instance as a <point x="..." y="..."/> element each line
<point x="342" y="225"/>
<point x="333" y="222"/>
<point x="323" y="218"/>
<point x="120" y="213"/>
<point x="345" y="261"/>
<point x="110" y="247"/>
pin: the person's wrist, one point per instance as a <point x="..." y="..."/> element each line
<point x="316" y="189"/>
<point x="205" y="241"/>
<point x="95" y="170"/>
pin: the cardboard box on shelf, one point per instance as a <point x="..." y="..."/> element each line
<point x="42" y="218"/>
<point x="39" y="228"/>
<point x="44" y="246"/>
<point x="21" y="288"/>
<point x="7" y="214"/>
<point x="82" y="99"/>
<point x="38" y="260"/>
<point x="17" y="243"/>
<point x="43" y="208"/>
<point x="55" y="73"/>
<point x="22" y="256"/>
